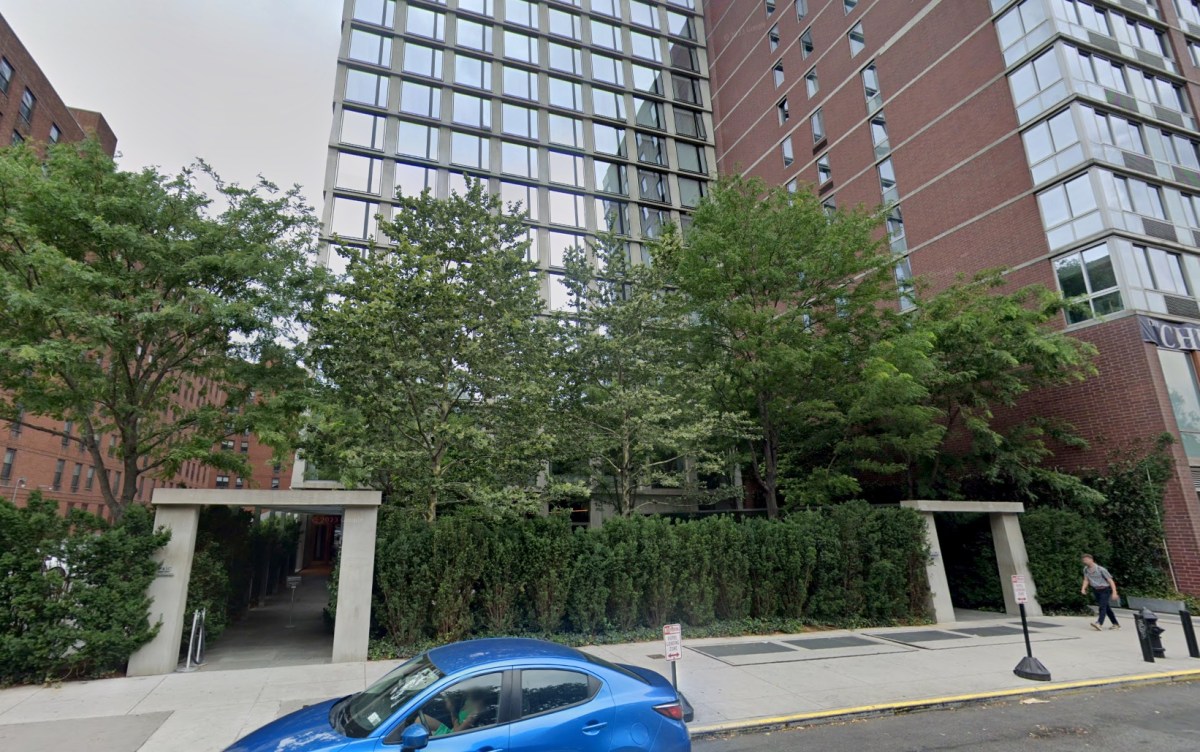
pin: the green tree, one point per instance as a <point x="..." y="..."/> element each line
<point x="130" y="302"/>
<point x="990" y="349"/>
<point x="635" y="407"/>
<point x="788" y="301"/>
<point x="432" y="358"/>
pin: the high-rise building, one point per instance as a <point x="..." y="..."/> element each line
<point x="1053" y="138"/>
<point x="1056" y="139"/>
<point x="593" y="114"/>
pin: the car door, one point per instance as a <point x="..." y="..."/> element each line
<point x="466" y="716"/>
<point x="561" y="710"/>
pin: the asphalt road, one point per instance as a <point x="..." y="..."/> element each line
<point x="1157" y="718"/>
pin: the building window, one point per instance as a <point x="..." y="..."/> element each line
<point x="370" y="48"/>
<point x="679" y="25"/>
<point x="76" y="473"/>
<point x="610" y="177"/>
<point x="870" y="79"/>
<point x="565" y="130"/>
<point x="238" y="482"/>
<point x="1161" y="270"/>
<point x="690" y="157"/>
<point x="362" y="129"/>
<point x="801" y="9"/>
<point x="6" y="74"/>
<point x="566" y="209"/>
<point x="689" y="123"/>
<point x="1180" y="375"/>
<point x="608" y="104"/>
<point x="425" y="23"/>
<point x="419" y="99"/>
<point x="10" y="456"/>
<point x="645" y="46"/>
<point x="773" y="38"/>
<point x="475" y="36"/>
<point x="612" y="216"/>
<point x="520" y="199"/>
<point x="1140" y="197"/>
<point x="858" y="41"/>
<point x="473" y="72"/>
<point x="353" y="218"/>
<point x="782" y="111"/>
<point x="521" y="12"/>
<point x="417" y="140"/>
<point x="55" y="134"/>
<point x="824" y="171"/>
<point x="67" y="428"/>
<point x="818" y="126"/>
<point x="519" y="121"/>
<point x="608" y="70"/>
<point x="609" y="139"/>
<point x="28" y="103"/>
<point x="1069" y="211"/>
<point x="565" y="169"/>
<point x="518" y="46"/>
<point x="686" y="89"/>
<point x="565" y="58"/>
<point x="904" y="284"/>
<point x="653" y="220"/>
<point x="245" y="447"/>
<point x="879" y="134"/>
<point x="1088" y="277"/>
<point x="274" y="484"/>
<point x="358" y="173"/>
<point x="806" y="43"/>
<point x="606" y="35"/>
<point x="895" y="230"/>
<point x="648" y="114"/>
<point x="422" y="61"/>
<point x="90" y="478"/>
<point x="14" y="426"/>
<point x="563" y="24"/>
<point x="482" y="7"/>
<point x="810" y="83"/>
<point x="652" y="149"/>
<point x="777" y="73"/>
<point x="56" y="484"/>
<point x="222" y="481"/>
<point x="520" y="83"/>
<point x="116" y="484"/>
<point x="471" y="110"/>
<point x="610" y="8"/>
<point x="793" y="186"/>
<point x="366" y="88"/>
<point x="560" y="244"/>
<point x="887" y="182"/>
<point x="785" y="148"/>
<point x="849" y="5"/>
<point x="468" y="150"/>
<point x="566" y="94"/>
<point x="770" y="6"/>
<point x="643" y="14"/>
<point x="653" y="186"/>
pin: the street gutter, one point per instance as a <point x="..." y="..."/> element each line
<point x="771" y="723"/>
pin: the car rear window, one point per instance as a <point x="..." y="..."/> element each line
<point x="546" y="689"/>
<point x="613" y="667"/>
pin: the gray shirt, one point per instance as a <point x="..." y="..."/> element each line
<point x="1097" y="576"/>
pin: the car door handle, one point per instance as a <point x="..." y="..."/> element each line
<point x="593" y="728"/>
<point x="490" y="749"/>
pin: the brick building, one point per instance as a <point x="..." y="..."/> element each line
<point x="32" y="460"/>
<point x="1055" y="138"/>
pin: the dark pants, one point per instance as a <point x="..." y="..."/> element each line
<point x="1104" y="602"/>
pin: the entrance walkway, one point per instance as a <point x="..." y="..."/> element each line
<point x="262" y="638"/>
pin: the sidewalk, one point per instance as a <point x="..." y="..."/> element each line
<point x="729" y="681"/>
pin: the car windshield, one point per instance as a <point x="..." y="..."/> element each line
<point x="362" y="713"/>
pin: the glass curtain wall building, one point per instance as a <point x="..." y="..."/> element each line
<point x="594" y="115"/>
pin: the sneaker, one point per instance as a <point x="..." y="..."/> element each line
<point x="1115" y="628"/>
<point x="1096" y="626"/>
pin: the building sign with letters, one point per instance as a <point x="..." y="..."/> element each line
<point x="1170" y="335"/>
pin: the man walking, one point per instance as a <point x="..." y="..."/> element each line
<point x="1103" y="587"/>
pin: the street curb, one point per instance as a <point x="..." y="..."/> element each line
<point x="934" y="703"/>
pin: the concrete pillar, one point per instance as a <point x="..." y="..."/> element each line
<point x="941" y="606"/>
<point x="1011" y="559"/>
<point x="168" y="592"/>
<point x="351" y="629"/>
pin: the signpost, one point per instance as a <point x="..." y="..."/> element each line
<point x="673" y="649"/>
<point x="293" y="582"/>
<point x="1029" y="667"/>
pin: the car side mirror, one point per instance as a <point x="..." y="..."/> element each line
<point x="416" y="736"/>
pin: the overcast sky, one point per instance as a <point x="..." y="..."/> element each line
<point x="245" y="84"/>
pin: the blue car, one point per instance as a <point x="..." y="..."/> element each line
<point x="499" y="695"/>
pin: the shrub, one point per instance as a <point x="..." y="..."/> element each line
<point x="1054" y="539"/>
<point x="86" y="618"/>
<point x="848" y="565"/>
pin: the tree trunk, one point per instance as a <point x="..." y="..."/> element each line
<point x="769" y="480"/>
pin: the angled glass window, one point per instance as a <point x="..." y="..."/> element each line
<point x="565" y="24"/>
<point x="419" y="99"/>
<point x="648" y="113"/>
<point x="417" y="140"/>
<point x="686" y="89"/>
<point x="783" y="111"/>
<point x="521" y="83"/>
<point x="521" y="12"/>
<point x="691" y="191"/>
<point x="474" y="35"/>
<point x="810" y="83"/>
<point x="362" y="129"/>
<point x="610" y="177"/>
<point x="824" y="171"/>
<point x="518" y="46"/>
<point x="422" y="61"/>
<point x="565" y="168"/>
<point x="608" y="104"/>
<point x="566" y="94"/>
<point x="645" y="46"/>
<point x="691" y="157"/>
<point x="773" y="38"/>
<point x="378" y="12"/>
<point x="363" y="87"/>
<point x="470" y="71"/>
<point x="609" y="139"/>
<point x="566" y="208"/>
<point x="806" y="43"/>
<point x="519" y="159"/>
<point x="648" y="80"/>
<point x="356" y="173"/>
<point x="849" y="5"/>
<point x="643" y="14"/>
<point x="566" y="131"/>
<point x="471" y="110"/>
<point x="650" y="148"/>
<point x="870" y="79"/>
<point x="801" y="9"/>
<point x="370" y="48"/>
<point x="818" y="126"/>
<point x="770" y="6"/>
<point x="858" y="41"/>
<point x="689" y="123"/>
<point x="609" y="70"/>
<point x="468" y="150"/>
<point x="1089" y="275"/>
<point x="684" y="56"/>
<point x="425" y="23"/>
<point x="481" y="7"/>
<point x="612" y="216"/>
<point x="519" y="193"/>
<point x="565" y="58"/>
<point x="777" y="74"/>
<point x="681" y="25"/>
<point x="412" y="179"/>
<point x="653" y="186"/>
<point x="887" y="182"/>
<point x="606" y="35"/>
<point x="519" y="121"/>
<point x="788" y="153"/>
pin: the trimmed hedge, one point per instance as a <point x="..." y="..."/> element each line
<point x="1054" y="540"/>
<point x="81" y="620"/>
<point x="846" y="565"/>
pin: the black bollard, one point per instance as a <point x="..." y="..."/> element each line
<point x="1189" y="632"/>
<point x="1154" y="633"/>
<point x="1143" y="637"/>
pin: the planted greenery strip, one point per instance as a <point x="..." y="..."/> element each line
<point x="852" y="564"/>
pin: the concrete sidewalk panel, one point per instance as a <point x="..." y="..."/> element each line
<point x="123" y="733"/>
<point x="89" y="699"/>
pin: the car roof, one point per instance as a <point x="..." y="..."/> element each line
<point x="457" y="656"/>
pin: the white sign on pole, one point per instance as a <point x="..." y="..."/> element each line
<point x="672" y="642"/>
<point x="293" y="582"/>
<point x="1018" y="586"/>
